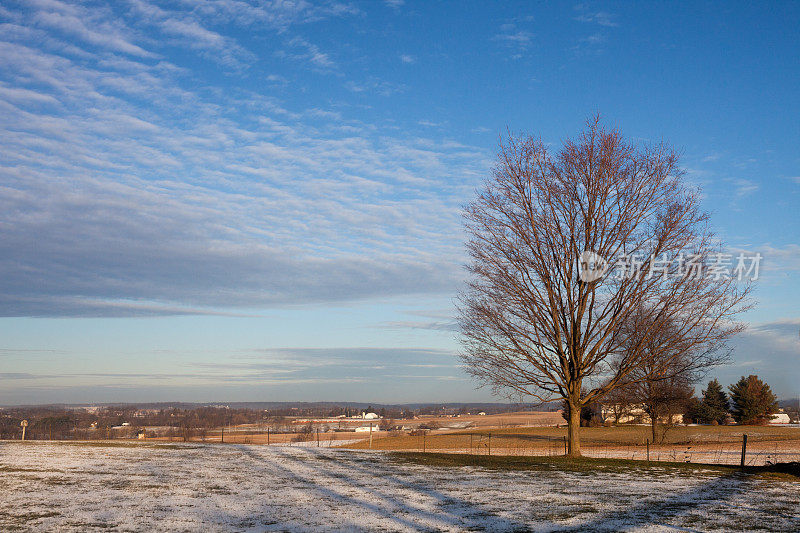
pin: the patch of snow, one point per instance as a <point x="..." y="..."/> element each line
<point x="56" y="486"/>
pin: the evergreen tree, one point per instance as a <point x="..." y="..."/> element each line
<point x="693" y="411"/>
<point x="714" y="406"/>
<point x="753" y="401"/>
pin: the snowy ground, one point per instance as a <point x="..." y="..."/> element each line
<point x="259" y="488"/>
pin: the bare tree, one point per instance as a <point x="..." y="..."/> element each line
<point x="619" y="403"/>
<point x="533" y="321"/>
<point x="662" y="381"/>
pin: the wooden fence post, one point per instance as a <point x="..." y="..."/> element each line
<point x="423" y="441"/>
<point x="648" y="450"/>
<point x="222" y="438"/>
<point x="490" y="443"/>
<point x="565" y="445"/>
<point x="744" y="448"/>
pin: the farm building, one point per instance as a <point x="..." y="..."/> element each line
<point x="626" y="414"/>
<point x="780" y="418"/>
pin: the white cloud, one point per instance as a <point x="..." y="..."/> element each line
<point x="602" y="18"/>
<point x="302" y="50"/>
<point x="140" y="194"/>
<point x="73" y="22"/>
<point x="770" y="350"/>
<point x="745" y="187"/>
<point x="514" y="37"/>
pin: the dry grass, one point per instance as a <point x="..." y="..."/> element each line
<point x="545" y="439"/>
<point x="790" y="472"/>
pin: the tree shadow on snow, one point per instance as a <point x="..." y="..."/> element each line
<point x="716" y="492"/>
<point x="450" y="513"/>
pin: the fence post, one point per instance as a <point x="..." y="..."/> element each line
<point x="370" y="435"/>
<point x="470" y="443"/>
<point x="490" y="443"/>
<point x="222" y="438"/>
<point x="423" y="441"/>
<point x="744" y="448"/>
<point x="648" y="450"/>
<point x="565" y="445"/>
<point x="267" y="435"/>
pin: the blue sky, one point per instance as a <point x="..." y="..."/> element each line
<point x="230" y="200"/>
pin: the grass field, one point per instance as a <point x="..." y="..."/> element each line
<point x="194" y="487"/>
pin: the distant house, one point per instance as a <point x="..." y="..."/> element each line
<point x="369" y="416"/>
<point x="780" y="418"/>
<point x="633" y="413"/>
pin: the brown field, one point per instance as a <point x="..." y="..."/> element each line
<point x="629" y="435"/>
<point x="537" y="433"/>
<point x="328" y="439"/>
<point x="254" y="434"/>
<point x="523" y="418"/>
<point x="709" y="444"/>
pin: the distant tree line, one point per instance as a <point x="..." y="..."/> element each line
<point x="749" y="401"/>
<point x="114" y="421"/>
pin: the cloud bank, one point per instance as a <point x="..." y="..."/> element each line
<point x="133" y="184"/>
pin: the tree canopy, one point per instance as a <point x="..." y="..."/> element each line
<point x="534" y="324"/>
<point x="753" y="401"/>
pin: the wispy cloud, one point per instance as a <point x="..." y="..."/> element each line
<point x="514" y="38"/>
<point x="148" y="192"/>
<point x="744" y="187"/>
<point x="88" y="25"/>
<point x="602" y="18"/>
<point x="768" y="349"/>
<point x="299" y="49"/>
<point x="374" y="85"/>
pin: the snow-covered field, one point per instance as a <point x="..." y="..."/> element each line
<point x="196" y="487"/>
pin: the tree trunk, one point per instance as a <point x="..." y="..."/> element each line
<point x="653" y="427"/>
<point x="573" y="431"/>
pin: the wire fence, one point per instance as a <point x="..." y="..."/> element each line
<point x="751" y="446"/>
<point x="751" y="450"/>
